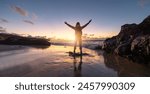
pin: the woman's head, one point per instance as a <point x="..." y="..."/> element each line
<point x="77" y="24"/>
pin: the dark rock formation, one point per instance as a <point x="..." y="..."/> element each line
<point x="110" y="44"/>
<point x="133" y="40"/>
<point x="11" y="39"/>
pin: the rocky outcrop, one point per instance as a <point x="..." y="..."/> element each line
<point x="11" y="39"/>
<point x="110" y="44"/>
<point x="140" y="46"/>
<point x="133" y="40"/>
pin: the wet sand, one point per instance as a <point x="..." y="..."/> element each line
<point x="56" y="62"/>
<point x="11" y="47"/>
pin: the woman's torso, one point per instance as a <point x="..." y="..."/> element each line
<point x="78" y="31"/>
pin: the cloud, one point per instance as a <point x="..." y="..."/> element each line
<point x="29" y="22"/>
<point x="3" y="20"/>
<point x="20" y="10"/>
<point x="23" y="12"/>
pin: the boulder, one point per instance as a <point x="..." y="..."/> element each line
<point x="110" y="44"/>
<point x="133" y="40"/>
<point x="127" y="32"/>
<point x="141" y="45"/>
<point x="123" y="49"/>
<point x="144" y="26"/>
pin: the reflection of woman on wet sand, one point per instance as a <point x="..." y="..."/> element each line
<point x="77" y="69"/>
<point x="78" y="34"/>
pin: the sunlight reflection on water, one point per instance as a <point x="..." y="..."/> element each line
<point x="55" y="61"/>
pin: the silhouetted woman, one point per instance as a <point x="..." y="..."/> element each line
<point x="78" y="34"/>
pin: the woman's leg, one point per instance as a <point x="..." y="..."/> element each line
<point x="80" y="44"/>
<point x="75" y="45"/>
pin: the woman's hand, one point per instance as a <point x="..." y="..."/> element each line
<point x="65" y="22"/>
<point x="90" y="20"/>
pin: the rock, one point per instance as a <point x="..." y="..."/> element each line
<point x="145" y="26"/>
<point x="110" y="44"/>
<point x="98" y="47"/>
<point x="11" y="39"/>
<point x="127" y="32"/>
<point x="141" y="45"/>
<point x="123" y="49"/>
<point x="133" y="40"/>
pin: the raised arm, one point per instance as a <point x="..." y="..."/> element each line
<point x="86" y="24"/>
<point x="70" y="25"/>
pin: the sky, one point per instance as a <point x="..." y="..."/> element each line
<point x="46" y="17"/>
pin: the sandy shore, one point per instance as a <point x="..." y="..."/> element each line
<point x="52" y="61"/>
<point x="56" y="62"/>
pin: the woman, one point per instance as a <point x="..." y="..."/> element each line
<point x="78" y="34"/>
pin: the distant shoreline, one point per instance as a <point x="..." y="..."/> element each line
<point x="11" y="39"/>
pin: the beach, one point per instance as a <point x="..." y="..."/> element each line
<point x="54" y="61"/>
<point x="11" y="47"/>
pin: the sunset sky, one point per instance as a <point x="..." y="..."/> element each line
<point x="46" y="17"/>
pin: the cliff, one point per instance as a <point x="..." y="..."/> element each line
<point x="133" y="41"/>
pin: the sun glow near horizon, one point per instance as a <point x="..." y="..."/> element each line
<point x="60" y="31"/>
<point x="66" y="35"/>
